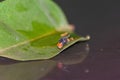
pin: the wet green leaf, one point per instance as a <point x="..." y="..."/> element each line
<point x="29" y="29"/>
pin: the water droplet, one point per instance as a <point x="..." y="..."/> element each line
<point x="88" y="37"/>
<point x="87" y="71"/>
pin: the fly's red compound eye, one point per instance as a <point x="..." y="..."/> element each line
<point x="59" y="45"/>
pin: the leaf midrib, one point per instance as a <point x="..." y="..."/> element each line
<point x="27" y="41"/>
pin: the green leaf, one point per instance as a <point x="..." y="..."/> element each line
<point x="29" y="29"/>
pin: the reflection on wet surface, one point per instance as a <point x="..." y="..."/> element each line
<point x="78" y="54"/>
<point x="26" y="70"/>
<point x="40" y="70"/>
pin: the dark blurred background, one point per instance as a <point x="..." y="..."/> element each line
<point x="98" y="18"/>
<point x="101" y="20"/>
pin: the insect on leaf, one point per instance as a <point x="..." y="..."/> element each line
<point x="30" y="29"/>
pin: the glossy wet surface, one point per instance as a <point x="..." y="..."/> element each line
<point x="98" y="59"/>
